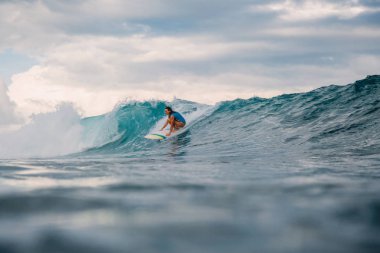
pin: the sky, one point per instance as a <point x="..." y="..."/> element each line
<point x="97" y="53"/>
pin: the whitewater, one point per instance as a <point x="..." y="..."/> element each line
<point x="293" y="173"/>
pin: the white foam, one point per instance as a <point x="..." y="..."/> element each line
<point x="47" y="134"/>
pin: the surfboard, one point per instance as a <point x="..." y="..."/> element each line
<point x="155" y="137"/>
<point x="161" y="135"/>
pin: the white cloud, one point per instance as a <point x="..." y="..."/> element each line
<point x="39" y="91"/>
<point x="180" y="49"/>
<point x="324" y="32"/>
<point x="28" y="27"/>
<point x="96" y="72"/>
<point x="292" y="10"/>
<point x="96" y="53"/>
<point x="122" y="8"/>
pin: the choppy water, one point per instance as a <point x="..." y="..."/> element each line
<point x="295" y="173"/>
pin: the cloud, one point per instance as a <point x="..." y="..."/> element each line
<point x="96" y="72"/>
<point x="292" y="10"/>
<point x="96" y="79"/>
<point x="96" y="53"/>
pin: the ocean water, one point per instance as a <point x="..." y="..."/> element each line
<point x="294" y="173"/>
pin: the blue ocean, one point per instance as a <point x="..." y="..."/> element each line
<point x="293" y="173"/>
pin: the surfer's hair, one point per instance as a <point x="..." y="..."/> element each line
<point x="169" y="109"/>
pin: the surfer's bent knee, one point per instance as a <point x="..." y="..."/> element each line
<point x="179" y="124"/>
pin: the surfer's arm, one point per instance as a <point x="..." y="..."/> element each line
<point x="166" y="123"/>
<point x="171" y="121"/>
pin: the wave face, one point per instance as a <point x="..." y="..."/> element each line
<point x="123" y="129"/>
<point x="344" y="119"/>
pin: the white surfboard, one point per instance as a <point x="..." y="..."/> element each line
<point x="161" y="135"/>
<point x="155" y="137"/>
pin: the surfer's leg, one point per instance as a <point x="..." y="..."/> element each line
<point x="178" y="125"/>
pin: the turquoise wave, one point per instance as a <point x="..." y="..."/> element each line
<point x="344" y="119"/>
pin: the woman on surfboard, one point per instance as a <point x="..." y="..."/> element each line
<point x="175" y="119"/>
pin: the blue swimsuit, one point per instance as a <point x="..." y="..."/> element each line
<point x="178" y="116"/>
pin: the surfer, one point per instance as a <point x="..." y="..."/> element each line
<point x="175" y="119"/>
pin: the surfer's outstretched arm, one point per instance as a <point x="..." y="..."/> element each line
<point x="166" y="123"/>
<point x="171" y="122"/>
